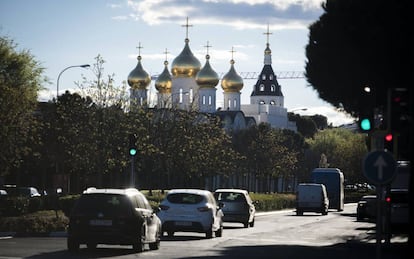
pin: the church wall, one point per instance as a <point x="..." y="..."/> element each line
<point x="207" y="99"/>
<point x="232" y="101"/>
<point x="188" y="89"/>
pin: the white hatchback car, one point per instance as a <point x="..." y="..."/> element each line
<point x="191" y="210"/>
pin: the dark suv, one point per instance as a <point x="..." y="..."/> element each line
<point x="115" y="217"/>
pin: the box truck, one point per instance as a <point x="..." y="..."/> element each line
<point x="333" y="179"/>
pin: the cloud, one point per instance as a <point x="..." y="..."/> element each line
<point x="335" y="117"/>
<point x="240" y="14"/>
<point x="120" y="18"/>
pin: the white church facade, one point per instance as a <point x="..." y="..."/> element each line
<point x="190" y="86"/>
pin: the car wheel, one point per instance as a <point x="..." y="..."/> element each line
<point x="209" y="233"/>
<point x="139" y="245"/>
<point x="156" y="245"/>
<point x="246" y="224"/>
<point x="73" y="245"/>
<point x="252" y="223"/>
<point x="219" y="232"/>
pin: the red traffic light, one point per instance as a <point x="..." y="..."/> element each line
<point x="388" y="137"/>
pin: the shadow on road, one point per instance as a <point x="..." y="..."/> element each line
<point x="349" y="250"/>
<point x="99" y="252"/>
<point x="337" y="251"/>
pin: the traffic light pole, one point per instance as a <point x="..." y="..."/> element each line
<point x="132" y="176"/>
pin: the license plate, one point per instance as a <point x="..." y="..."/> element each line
<point x="183" y="223"/>
<point x="100" y="222"/>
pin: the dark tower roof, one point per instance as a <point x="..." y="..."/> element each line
<point x="267" y="83"/>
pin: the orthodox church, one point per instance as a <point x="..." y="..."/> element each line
<point x="191" y="86"/>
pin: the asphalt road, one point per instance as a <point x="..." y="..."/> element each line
<point x="279" y="234"/>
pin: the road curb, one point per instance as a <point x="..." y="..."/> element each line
<point x="17" y="234"/>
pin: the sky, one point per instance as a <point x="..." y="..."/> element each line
<point x="63" y="33"/>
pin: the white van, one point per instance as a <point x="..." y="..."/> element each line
<point x="311" y="197"/>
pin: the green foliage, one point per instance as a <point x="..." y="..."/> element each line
<point x="38" y="222"/>
<point x="343" y="149"/>
<point x="20" y="79"/>
<point x="67" y="202"/>
<point x="305" y="124"/>
<point x="355" y="44"/>
<point x="269" y="152"/>
<point x="275" y="201"/>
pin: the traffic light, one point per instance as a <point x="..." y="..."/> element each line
<point x="132" y="144"/>
<point x="399" y="109"/>
<point x="388" y="142"/>
<point x="366" y="122"/>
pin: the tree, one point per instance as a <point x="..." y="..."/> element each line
<point x="358" y="44"/>
<point x="268" y="152"/>
<point x="339" y="148"/>
<point x="103" y="92"/>
<point x="20" y="80"/>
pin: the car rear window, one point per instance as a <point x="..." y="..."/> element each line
<point x="229" y="197"/>
<point x="109" y="204"/>
<point x="185" y="198"/>
<point x="399" y="197"/>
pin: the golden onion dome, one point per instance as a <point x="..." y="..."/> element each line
<point x="231" y="81"/>
<point x="185" y="64"/>
<point x="207" y="77"/>
<point x="139" y="78"/>
<point x="267" y="50"/>
<point x="163" y="83"/>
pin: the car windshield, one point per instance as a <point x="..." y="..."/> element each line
<point x="20" y="191"/>
<point x="185" y="198"/>
<point x="104" y="203"/>
<point x="229" y="197"/>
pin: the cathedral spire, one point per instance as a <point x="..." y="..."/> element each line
<point x="267" y="52"/>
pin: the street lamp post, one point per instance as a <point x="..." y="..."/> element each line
<point x="57" y="95"/>
<point x="61" y="72"/>
<point x="299" y="109"/>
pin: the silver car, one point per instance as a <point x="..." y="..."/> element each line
<point x="238" y="207"/>
<point x="191" y="210"/>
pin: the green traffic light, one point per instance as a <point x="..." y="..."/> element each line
<point x="132" y="151"/>
<point x="365" y="124"/>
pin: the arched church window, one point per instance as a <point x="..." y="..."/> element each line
<point x="263" y="77"/>
<point x="271" y="77"/>
<point x="272" y="88"/>
<point x="180" y="96"/>
<point x="272" y="102"/>
<point x="210" y="100"/>
<point x="261" y="87"/>
<point x="261" y="102"/>
<point x="204" y="100"/>
<point x="234" y="103"/>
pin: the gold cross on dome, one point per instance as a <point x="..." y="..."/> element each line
<point x="207" y="46"/>
<point x="139" y="48"/>
<point x="186" y="29"/>
<point x="267" y="34"/>
<point x="232" y="52"/>
<point x="166" y="53"/>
